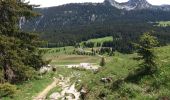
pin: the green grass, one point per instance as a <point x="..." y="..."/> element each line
<point x="54" y="90"/>
<point x="164" y="23"/>
<point x="30" y="88"/>
<point x="66" y="57"/>
<point x="98" y="40"/>
<point x="117" y="67"/>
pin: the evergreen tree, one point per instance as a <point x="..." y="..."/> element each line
<point x="146" y="54"/>
<point x="146" y="51"/>
<point x="102" y="62"/>
<point x="19" y="57"/>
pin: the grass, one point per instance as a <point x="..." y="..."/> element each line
<point x="117" y="67"/>
<point x="30" y="88"/>
<point x="148" y="88"/>
<point x="98" y="40"/>
<point x="65" y="57"/>
<point x="73" y="59"/>
<point x="164" y="23"/>
<point x="101" y="40"/>
<point x="54" y="90"/>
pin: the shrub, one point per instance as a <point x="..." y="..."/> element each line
<point x="128" y="91"/>
<point x="7" y="89"/>
<point x="102" y="62"/>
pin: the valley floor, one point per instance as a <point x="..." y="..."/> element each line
<point x="117" y="67"/>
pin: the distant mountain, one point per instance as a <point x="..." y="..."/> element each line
<point x="136" y="5"/>
<point x="81" y="21"/>
<point x="130" y="5"/>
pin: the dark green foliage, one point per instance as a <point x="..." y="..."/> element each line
<point x="145" y="50"/>
<point x="117" y="84"/>
<point x="104" y="50"/>
<point x="102" y="62"/>
<point x="72" y="23"/>
<point x="19" y="57"/>
<point x="137" y="74"/>
<point x="88" y="44"/>
<point x="127" y="91"/>
<point x="7" y="90"/>
<point x="107" y="44"/>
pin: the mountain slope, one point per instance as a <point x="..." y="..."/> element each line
<point x="130" y="5"/>
<point x="136" y="5"/>
<point x="72" y="23"/>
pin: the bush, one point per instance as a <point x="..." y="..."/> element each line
<point x="102" y="62"/>
<point x="7" y="89"/>
<point x="128" y="91"/>
<point x="1" y="77"/>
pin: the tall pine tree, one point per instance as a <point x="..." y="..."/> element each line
<point x="146" y="52"/>
<point x="19" y="57"/>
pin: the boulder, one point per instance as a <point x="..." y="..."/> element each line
<point x="55" y="96"/>
<point x="106" y="80"/>
<point x="45" y="69"/>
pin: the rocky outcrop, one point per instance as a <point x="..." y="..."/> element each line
<point x="136" y="5"/>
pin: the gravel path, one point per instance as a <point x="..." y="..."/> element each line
<point x="42" y="95"/>
<point x="68" y="92"/>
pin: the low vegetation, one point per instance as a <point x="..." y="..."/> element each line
<point x="108" y="68"/>
<point x="164" y="23"/>
<point x="116" y="69"/>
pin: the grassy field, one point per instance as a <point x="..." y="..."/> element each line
<point x="65" y="56"/>
<point x="164" y="23"/>
<point x="99" y="40"/>
<point x="58" y="56"/>
<point x="117" y="67"/>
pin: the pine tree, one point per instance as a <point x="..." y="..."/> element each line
<point x="146" y="51"/>
<point x="19" y="57"/>
<point x="102" y="62"/>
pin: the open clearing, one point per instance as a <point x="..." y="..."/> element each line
<point x="117" y="66"/>
<point x="73" y="59"/>
<point x="164" y="23"/>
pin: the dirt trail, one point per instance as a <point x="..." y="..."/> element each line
<point x="68" y="92"/>
<point x="66" y="89"/>
<point x="42" y="95"/>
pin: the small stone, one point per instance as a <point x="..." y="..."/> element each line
<point x="55" y="96"/>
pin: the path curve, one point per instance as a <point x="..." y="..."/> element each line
<point x="42" y="95"/>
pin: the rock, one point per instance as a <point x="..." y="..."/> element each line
<point x="83" y="93"/>
<point x="48" y="65"/>
<point x="45" y="69"/>
<point x="106" y="80"/>
<point x="55" y="96"/>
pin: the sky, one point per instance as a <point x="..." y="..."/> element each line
<point x="49" y="3"/>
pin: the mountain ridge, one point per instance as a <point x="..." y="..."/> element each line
<point x="81" y="21"/>
<point x="136" y="5"/>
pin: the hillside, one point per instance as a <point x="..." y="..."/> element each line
<point x="86" y="51"/>
<point x="117" y="67"/>
<point x="80" y="22"/>
<point x="137" y="5"/>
